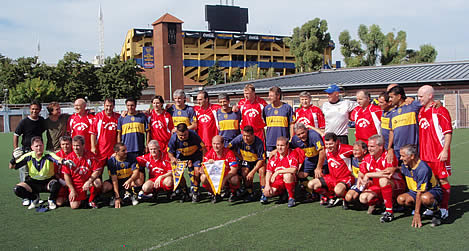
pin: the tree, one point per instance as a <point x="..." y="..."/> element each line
<point x="236" y="76"/>
<point x="308" y="43"/>
<point x="34" y="89"/>
<point x="215" y="75"/>
<point x="394" y="48"/>
<point x="120" y="79"/>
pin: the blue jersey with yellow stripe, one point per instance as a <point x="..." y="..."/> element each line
<point x="190" y="149"/>
<point x="355" y="167"/>
<point x="419" y="178"/>
<point x="278" y="120"/>
<point x="186" y="115"/>
<point x="250" y="153"/>
<point x="122" y="169"/>
<point x="311" y="147"/>
<point x="133" y="129"/>
<point x="404" y="124"/>
<point x="228" y="124"/>
<point x="385" y="118"/>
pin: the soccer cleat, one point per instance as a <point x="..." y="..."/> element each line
<point x="93" y="205"/>
<point x="232" y="197"/>
<point x="140" y="195"/>
<point x="345" y="205"/>
<point x="387" y="217"/>
<point x="34" y="203"/>
<point x="323" y="201"/>
<point x="52" y="204"/>
<point x="291" y="202"/>
<point x="264" y="200"/>
<point x="436" y="220"/>
<point x="333" y="202"/>
<point x="126" y="198"/>
<point x="444" y="213"/>
<point x="216" y="198"/>
<point x="134" y="200"/>
<point x="195" y="197"/>
<point x="26" y="202"/>
<point x="428" y="213"/>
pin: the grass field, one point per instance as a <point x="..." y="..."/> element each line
<point x="239" y="226"/>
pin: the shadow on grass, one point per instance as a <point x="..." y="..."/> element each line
<point x="459" y="202"/>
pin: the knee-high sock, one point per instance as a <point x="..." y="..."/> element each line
<point x="290" y="189"/>
<point x="445" y="198"/>
<point x="93" y="193"/>
<point x="386" y="191"/>
<point x="194" y="185"/>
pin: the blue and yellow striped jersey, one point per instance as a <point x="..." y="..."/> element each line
<point x="186" y="115"/>
<point x="122" y="169"/>
<point x="311" y="148"/>
<point x="133" y="129"/>
<point x="278" y="121"/>
<point x="184" y="150"/>
<point x="385" y="118"/>
<point x="250" y="153"/>
<point x="419" y="178"/>
<point x="228" y="125"/>
<point x="355" y="167"/>
<point x="404" y="124"/>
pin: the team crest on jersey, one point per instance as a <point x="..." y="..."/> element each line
<point x="157" y="124"/>
<point x="179" y="113"/>
<point x="399" y="110"/>
<point x="132" y="118"/>
<point x="424" y="124"/>
<point x="111" y="126"/>
<point x="122" y="165"/>
<point x="248" y="148"/>
<point x="304" y="121"/>
<point x="204" y="118"/>
<point x="252" y="113"/>
<point x="185" y="144"/>
<point x="276" y="112"/>
<point x="81" y="170"/>
<point x="333" y="163"/>
<point x="80" y="126"/>
<point x="363" y="122"/>
<point x="226" y="116"/>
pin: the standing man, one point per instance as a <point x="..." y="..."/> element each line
<point x="206" y="119"/>
<point x="55" y="125"/>
<point x="337" y="113"/>
<point x="308" y="114"/>
<point x="435" y="134"/>
<point x="104" y="132"/>
<point x="251" y="108"/>
<point x="367" y="118"/>
<point x="160" y="123"/>
<point x="29" y="127"/>
<point x="386" y="106"/>
<point x="80" y="122"/>
<point x="279" y="118"/>
<point x="228" y="120"/>
<point x="181" y="112"/>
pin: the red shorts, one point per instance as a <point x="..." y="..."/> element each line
<point x="278" y="184"/>
<point x="440" y="169"/>
<point x="331" y="182"/>
<point x="81" y="195"/>
<point x="162" y="185"/>
<point x="63" y="192"/>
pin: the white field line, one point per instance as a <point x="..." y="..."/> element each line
<point x="171" y="241"/>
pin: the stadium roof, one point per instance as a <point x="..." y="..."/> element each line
<point x="448" y="72"/>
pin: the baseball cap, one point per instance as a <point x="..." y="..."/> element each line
<point x="332" y="88"/>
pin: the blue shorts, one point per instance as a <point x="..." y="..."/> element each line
<point x="309" y="167"/>
<point x="359" y="190"/>
<point x="436" y="192"/>
<point x="196" y="159"/>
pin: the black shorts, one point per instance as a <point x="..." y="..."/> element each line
<point x="38" y="186"/>
<point x="120" y="186"/>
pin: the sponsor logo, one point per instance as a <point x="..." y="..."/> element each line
<point x="204" y="118"/>
<point x="363" y="122"/>
<point x="252" y="113"/>
<point x="111" y="126"/>
<point x="80" y="126"/>
<point x="157" y="124"/>
<point x="334" y="163"/>
<point x="424" y="124"/>
<point x="304" y="121"/>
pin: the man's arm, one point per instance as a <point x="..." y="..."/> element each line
<point x="417" y="221"/>
<point x="135" y="175"/>
<point x="119" y="136"/>
<point x="94" y="142"/>
<point x="69" y="182"/>
<point x="321" y="159"/>
<point x="115" y="186"/>
<point x="90" y="181"/>
<point x="15" y="141"/>
<point x="443" y="156"/>
<point x="193" y="125"/>
<point x="259" y="164"/>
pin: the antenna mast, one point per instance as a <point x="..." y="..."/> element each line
<point x="101" y="36"/>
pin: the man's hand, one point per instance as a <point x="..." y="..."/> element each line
<point x="211" y="161"/>
<point x="443" y="156"/>
<point x="390" y="156"/>
<point x="173" y="160"/>
<point x="73" y="195"/>
<point x="93" y="149"/>
<point x="69" y="163"/>
<point x="268" y="189"/>
<point x="317" y="173"/>
<point x="250" y="176"/>
<point x="235" y="108"/>
<point x="272" y="178"/>
<point x="117" y="203"/>
<point x="416" y="221"/>
<point x="157" y="182"/>
<point x="87" y="185"/>
<point x="127" y="184"/>
<point x="123" y="113"/>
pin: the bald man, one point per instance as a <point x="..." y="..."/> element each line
<point x="367" y="117"/>
<point x="435" y="132"/>
<point x="80" y="122"/>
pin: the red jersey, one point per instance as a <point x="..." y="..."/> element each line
<point x="371" y="164"/>
<point x="227" y="155"/>
<point x="84" y="167"/>
<point x="340" y="163"/>
<point x="251" y="114"/>
<point x="58" y="168"/>
<point x="206" y="123"/>
<point x="105" y="129"/>
<point x="78" y="125"/>
<point x="434" y="123"/>
<point x="310" y="117"/>
<point x="160" y="128"/>
<point x="367" y="122"/>
<point x="277" y="163"/>
<point x="156" y="167"/>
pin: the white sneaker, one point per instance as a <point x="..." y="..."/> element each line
<point x="34" y="203"/>
<point x="428" y="212"/>
<point x="140" y="195"/>
<point x="26" y="202"/>
<point x="444" y="213"/>
<point x="52" y="204"/>
<point x="134" y="200"/>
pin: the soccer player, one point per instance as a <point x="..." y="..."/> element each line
<point x="55" y="125"/>
<point x="206" y="119"/>
<point x="386" y="106"/>
<point x="337" y="113"/>
<point x="379" y="176"/>
<point x="181" y="112"/>
<point x="65" y="149"/>
<point x="435" y="134"/>
<point x="123" y="176"/>
<point x="84" y="176"/>
<point x="279" y="118"/>
<point x="308" y="114"/>
<point x="251" y="108"/>
<point x="403" y="122"/>
<point x="219" y="152"/>
<point x="104" y="132"/>
<point x="360" y="150"/>
<point x="367" y="118"/>
<point x="422" y="184"/>
<point x="184" y="145"/>
<point x="281" y="172"/>
<point x="160" y="123"/>
<point x="29" y="127"/>
<point x="251" y="157"/>
<point x="159" y="168"/>
<point x="312" y="144"/>
<point x="340" y="178"/>
<point x="40" y="179"/>
<point x="80" y="122"/>
<point x="228" y="120"/>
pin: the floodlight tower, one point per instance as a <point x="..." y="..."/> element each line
<point x="101" y="36"/>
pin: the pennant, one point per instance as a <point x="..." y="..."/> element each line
<point x="178" y="172"/>
<point x="215" y="173"/>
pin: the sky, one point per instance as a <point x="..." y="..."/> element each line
<point x="61" y="26"/>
